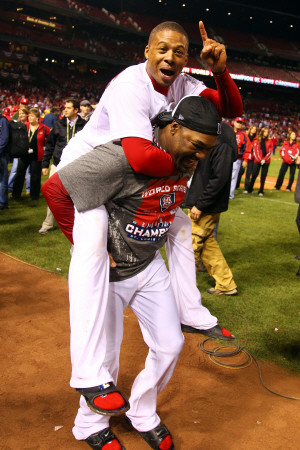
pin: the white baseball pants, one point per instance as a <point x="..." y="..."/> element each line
<point x="88" y="291"/>
<point x="151" y="298"/>
<point x="181" y="260"/>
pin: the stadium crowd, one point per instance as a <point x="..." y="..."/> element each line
<point x="278" y="118"/>
<point x="279" y="122"/>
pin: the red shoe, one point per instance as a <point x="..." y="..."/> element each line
<point x="105" y="399"/>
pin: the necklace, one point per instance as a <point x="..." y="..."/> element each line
<point x="154" y="133"/>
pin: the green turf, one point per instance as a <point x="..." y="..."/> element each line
<point x="259" y="239"/>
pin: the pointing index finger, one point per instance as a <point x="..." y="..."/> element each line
<point x="202" y="31"/>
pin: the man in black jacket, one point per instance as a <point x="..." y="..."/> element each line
<point x="63" y="130"/>
<point x="207" y="197"/>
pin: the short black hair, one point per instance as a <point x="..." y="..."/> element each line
<point x="168" y="26"/>
<point x="74" y="101"/>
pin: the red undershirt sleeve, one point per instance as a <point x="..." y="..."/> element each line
<point x="146" y="158"/>
<point x="227" y="99"/>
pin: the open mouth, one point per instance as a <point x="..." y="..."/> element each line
<point x="167" y="72"/>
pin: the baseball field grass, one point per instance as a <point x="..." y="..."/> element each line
<point x="259" y="239"/>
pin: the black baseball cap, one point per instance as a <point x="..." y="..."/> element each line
<point x="193" y="112"/>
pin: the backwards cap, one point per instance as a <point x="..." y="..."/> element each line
<point x="193" y="112"/>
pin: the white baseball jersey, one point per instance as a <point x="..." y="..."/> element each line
<point x="126" y="108"/>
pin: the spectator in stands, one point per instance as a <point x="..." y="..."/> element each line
<point x="63" y="130"/>
<point x="50" y="118"/>
<point x="242" y="139"/>
<point x="86" y="110"/>
<point x="289" y="152"/>
<point x="4" y="138"/>
<point x="37" y="134"/>
<point x="248" y="158"/>
<point x="262" y="150"/>
<point x="22" y="117"/>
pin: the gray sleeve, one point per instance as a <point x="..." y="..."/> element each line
<point x="96" y="177"/>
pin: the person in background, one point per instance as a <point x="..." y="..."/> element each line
<point x="289" y="153"/>
<point x="24" y="103"/>
<point x="4" y="139"/>
<point x="275" y="141"/>
<point x="63" y="130"/>
<point x="262" y="150"/>
<point x="248" y="159"/>
<point x="241" y="138"/>
<point x="86" y="110"/>
<point x="22" y="117"/>
<point x="207" y="198"/>
<point x="50" y="118"/>
<point x="6" y="113"/>
<point x="37" y="134"/>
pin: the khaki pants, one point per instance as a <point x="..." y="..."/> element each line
<point x="49" y="222"/>
<point x="207" y="248"/>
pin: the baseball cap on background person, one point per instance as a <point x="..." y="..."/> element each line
<point x="193" y="112"/>
<point x="239" y="119"/>
<point x="15" y="108"/>
<point x="6" y="113"/>
<point x="24" y="101"/>
<point x="85" y="114"/>
<point x="85" y="103"/>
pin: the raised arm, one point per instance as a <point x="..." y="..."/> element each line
<point x="227" y="98"/>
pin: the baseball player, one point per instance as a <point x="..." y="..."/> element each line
<point x="124" y="113"/>
<point x="140" y="211"/>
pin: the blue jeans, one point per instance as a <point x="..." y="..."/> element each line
<point x="13" y="174"/>
<point x="3" y="180"/>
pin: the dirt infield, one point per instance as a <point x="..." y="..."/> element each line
<point x="270" y="183"/>
<point x="205" y="406"/>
